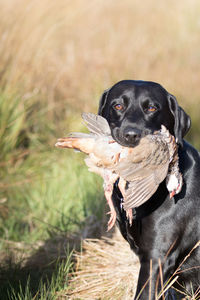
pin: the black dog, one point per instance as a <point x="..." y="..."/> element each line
<point x="164" y="230"/>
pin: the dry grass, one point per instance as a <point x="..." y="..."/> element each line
<point x="106" y="269"/>
<point x="69" y="51"/>
<point x="65" y="53"/>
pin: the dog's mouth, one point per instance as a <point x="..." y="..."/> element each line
<point x="132" y="142"/>
<point x="125" y="144"/>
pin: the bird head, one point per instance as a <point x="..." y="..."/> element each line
<point x="174" y="182"/>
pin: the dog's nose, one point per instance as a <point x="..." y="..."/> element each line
<point x="132" y="134"/>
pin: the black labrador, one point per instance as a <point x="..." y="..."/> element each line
<point x="164" y="230"/>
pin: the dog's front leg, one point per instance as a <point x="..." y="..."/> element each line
<point x="152" y="283"/>
<point x="146" y="286"/>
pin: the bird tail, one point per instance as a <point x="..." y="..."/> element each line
<point x="78" y="142"/>
<point x="96" y="124"/>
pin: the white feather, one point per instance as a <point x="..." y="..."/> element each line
<point x="172" y="182"/>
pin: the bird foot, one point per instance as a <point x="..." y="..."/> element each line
<point x="111" y="222"/>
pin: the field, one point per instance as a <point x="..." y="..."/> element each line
<point x="56" y="58"/>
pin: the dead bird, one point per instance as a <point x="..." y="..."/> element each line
<point x="140" y="169"/>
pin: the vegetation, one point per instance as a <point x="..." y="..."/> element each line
<point x="56" y="58"/>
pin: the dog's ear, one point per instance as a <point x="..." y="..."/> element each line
<point x="182" y="121"/>
<point x="102" y="103"/>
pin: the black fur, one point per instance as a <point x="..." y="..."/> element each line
<point x="162" y="228"/>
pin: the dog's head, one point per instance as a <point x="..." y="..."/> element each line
<point x="137" y="108"/>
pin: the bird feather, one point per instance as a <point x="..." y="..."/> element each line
<point x="139" y="191"/>
<point x="96" y="124"/>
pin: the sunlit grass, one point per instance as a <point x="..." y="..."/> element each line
<point x="60" y="192"/>
<point x="68" y="52"/>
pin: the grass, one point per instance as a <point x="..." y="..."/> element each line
<point x="61" y="200"/>
<point x="93" y="277"/>
<point x="38" y="214"/>
<point x="41" y="204"/>
<point x="56" y="58"/>
<point x="44" y="287"/>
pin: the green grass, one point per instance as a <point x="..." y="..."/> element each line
<point x="46" y="195"/>
<point x="60" y="192"/>
<point x="55" y="203"/>
<point x="46" y="286"/>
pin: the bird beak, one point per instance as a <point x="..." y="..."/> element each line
<point x="172" y="194"/>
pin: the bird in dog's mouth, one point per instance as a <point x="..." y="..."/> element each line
<point x="140" y="169"/>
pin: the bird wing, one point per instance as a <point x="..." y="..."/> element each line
<point x="142" y="160"/>
<point x="96" y="124"/>
<point x="130" y="171"/>
<point x="141" y="189"/>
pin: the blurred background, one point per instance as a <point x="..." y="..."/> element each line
<point x="56" y="59"/>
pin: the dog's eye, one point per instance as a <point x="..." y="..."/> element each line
<point x="119" y="107"/>
<point x="151" y="108"/>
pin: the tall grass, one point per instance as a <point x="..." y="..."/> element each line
<point x="70" y="51"/>
<point x="65" y="54"/>
<point x="56" y="58"/>
<point x="45" y="195"/>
